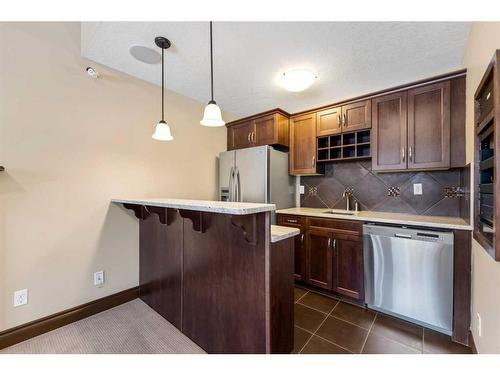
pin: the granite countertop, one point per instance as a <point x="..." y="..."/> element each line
<point x="385" y="217"/>
<point x="279" y="233"/>
<point x="232" y="208"/>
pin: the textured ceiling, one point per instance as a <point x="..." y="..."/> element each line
<point x="350" y="58"/>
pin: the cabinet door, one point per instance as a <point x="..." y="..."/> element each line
<point x="389" y="132"/>
<point x="239" y="135"/>
<point x="329" y="121"/>
<point x="266" y="129"/>
<point x="348" y="278"/>
<point x="429" y="126"/>
<point x="319" y="258"/>
<point x="303" y="144"/>
<point x="300" y="248"/>
<point x="357" y="116"/>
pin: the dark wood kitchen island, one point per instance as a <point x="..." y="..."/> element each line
<point x="210" y="269"/>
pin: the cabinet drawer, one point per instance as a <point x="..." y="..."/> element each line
<point x="291" y="220"/>
<point x="349" y="227"/>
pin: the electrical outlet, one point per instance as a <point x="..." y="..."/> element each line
<point x="417" y="189"/>
<point x="479" y="328"/>
<point x="20" y="297"/>
<point x="99" y="278"/>
<point x="302" y="189"/>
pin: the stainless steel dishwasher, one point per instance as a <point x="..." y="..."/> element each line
<point x="409" y="274"/>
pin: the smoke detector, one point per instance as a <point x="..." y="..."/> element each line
<point x="92" y="72"/>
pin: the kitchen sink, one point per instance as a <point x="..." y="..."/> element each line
<point x="340" y="212"/>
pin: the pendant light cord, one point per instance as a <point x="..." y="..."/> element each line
<point x="211" y="65"/>
<point x="162" y="84"/>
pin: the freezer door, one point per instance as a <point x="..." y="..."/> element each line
<point x="282" y="185"/>
<point x="251" y="174"/>
<point x="226" y="169"/>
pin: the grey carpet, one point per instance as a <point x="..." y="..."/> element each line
<point x="126" y="329"/>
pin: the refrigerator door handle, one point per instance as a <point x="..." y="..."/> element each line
<point x="238" y="186"/>
<point x="231" y="185"/>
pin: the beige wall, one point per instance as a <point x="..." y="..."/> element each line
<point x="483" y="40"/>
<point x="69" y="144"/>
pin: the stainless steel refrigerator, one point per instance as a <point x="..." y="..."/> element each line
<point x="257" y="175"/>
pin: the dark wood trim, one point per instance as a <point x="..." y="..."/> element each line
<point x="461" y="286"/>
<point x="261" y="114"/>
<point x="422" y="82"/>
<point x="391" y="90"/>
<point x="37" y="327"/>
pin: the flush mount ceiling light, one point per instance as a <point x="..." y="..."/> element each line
<point x="162" y="131"/>
<point x="145" y="54"/>
<point x="296" y="80"/>
<point x="212" y="115"/>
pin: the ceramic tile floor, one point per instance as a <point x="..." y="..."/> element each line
<point x="327" y="326"/>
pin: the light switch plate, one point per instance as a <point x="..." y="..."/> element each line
<point x="417" y="189"/>
<point x="302" y="189"/>
<point x="20" y="297"/>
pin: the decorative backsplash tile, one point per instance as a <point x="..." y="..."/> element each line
<point x="390" y="192"/>
<point x="393" y="191"/>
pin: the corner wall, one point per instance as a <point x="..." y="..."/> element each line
<point x="71" y="143"/>
<point x="483" y="40"/>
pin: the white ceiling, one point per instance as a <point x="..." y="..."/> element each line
<point x="350" y="58"/>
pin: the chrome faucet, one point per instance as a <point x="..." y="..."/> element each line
<point x="346" y="194"/>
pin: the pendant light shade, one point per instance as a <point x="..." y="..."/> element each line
<point x="162" y="131"/>
<point x="212" y="115"/>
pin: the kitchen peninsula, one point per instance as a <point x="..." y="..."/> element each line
<point x="218" y="271"/>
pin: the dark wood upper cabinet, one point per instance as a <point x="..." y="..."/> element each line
<point x="239" y="135"/>
<point x="270" y="128"/>
<point x="329" y="121"/>
<point x="356" y="116"/>
<point x="348" y="265"/>
<point x="303" y="144"/>
<point x="319" y="258"/>
<point x="429" y="126"/>
<point x="389" y="128"/>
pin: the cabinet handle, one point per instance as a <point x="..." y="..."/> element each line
<point x="403" y="154"/>
<point x="329" y="243"/>
<point x="248" y="137"/>
<point x="334" y="244"/>
<point x="340" y="120"/>
<point x="291" y="221"/>
<point x="253" y="136"/>
<point x="314" y="161"/>
<point x="409" y="154"/>
<point x="302" y="240"/>
<point x="344" y="120"/>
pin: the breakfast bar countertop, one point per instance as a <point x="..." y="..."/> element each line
<point x="442" y="222"/>
<point x="231" y="208"/>
<point x="279" y="233"/>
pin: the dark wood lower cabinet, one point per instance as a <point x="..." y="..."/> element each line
<point x="333" y="254"/>
<point x="300" y="243"/>
<point x="348" y="265"/>
<point x="319" y="261"/>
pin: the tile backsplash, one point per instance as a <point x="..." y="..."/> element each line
<point x="444" y="193"/>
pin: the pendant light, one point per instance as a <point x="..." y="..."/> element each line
<point x="162" y="131"/>
<point x="212" y="115"/>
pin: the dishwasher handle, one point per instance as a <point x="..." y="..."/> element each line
<point x="400" y="235"/>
